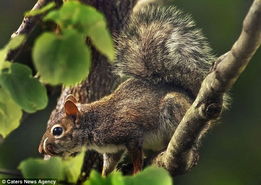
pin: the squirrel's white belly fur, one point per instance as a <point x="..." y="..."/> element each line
<point x="152" y="141"/>
<point x="106" y="148"/>
<point x="158" y="139"/>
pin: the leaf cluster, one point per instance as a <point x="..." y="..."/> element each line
<point x="60" y="57"/>
<point x="69" y="170"/>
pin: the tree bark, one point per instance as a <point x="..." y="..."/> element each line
<point x="101" y="81"/>
<point x="209" y="102"/>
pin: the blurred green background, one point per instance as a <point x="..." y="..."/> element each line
<point x="231" y="152"/>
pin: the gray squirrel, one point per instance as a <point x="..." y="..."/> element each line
<point x="165" y="57"/>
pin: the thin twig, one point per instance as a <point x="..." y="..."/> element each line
<point x="27" y="26"/>
<point x="208" y="104"/>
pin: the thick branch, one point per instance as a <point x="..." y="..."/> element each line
<point x="209" y="102"/>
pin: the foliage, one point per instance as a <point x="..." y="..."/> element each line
<point x="151" y="176"/>
<point x="59" y="58"/>
<point x="71" y="56"/>
<point x="113" y="179"/>
<point x="87" y="21"/>
<point x="55" y="168"/>
<point x="13" y="44"/>
<point x="42" y="10"/>
<point x="19" y="90"/>
<point x="38" y="168"/>
<point x="68" y="171"/>
<point x="25" y="90"/>
<point x="64" y="57"/>
<point x="10" y="113"/>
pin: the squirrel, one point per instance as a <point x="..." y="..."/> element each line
<point x="165" y="57"/>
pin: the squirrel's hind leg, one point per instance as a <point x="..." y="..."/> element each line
<point x="110" y="161"/>
<point x="136" y="154"/>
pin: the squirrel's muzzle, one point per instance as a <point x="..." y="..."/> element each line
<point x="40" y="149"/>
<point x="45" y="148"/>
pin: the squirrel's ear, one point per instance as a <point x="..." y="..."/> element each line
<point x="70" y="108"/>
<point x="71" y="98"/>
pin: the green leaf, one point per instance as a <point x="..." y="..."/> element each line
<point x="95" y="179"/>
<point x="151" y="176"/>
<point x="86" y="20"/>
<point x="72" y="167"/>
<point x="42" y="169"/>
<point x="55" y="168"/>
<point x="102" y="40"/>
<point x="42" y="10"/>
<point x="25" y="90"/>
<point x="10" y="114"/>
<point x="74" y="14"/>
<point x="62" y="59"/>
<point x="3" y="53"/>
<point x="113" y="179"/>
<point x="116" y="178"/>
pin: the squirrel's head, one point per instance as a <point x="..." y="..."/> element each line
<point x="63" y="134"/>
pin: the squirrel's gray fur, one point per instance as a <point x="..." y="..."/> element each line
<point x="166" y="58"/>
<point x="163" y="45"/>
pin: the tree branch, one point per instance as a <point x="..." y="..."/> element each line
<point x="27" y="26"/>
<point x="209" y="102"/>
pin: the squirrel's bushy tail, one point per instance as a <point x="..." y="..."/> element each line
<point x="162" y="45"/>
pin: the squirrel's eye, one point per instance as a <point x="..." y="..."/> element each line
<point x="57" y="131"/>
